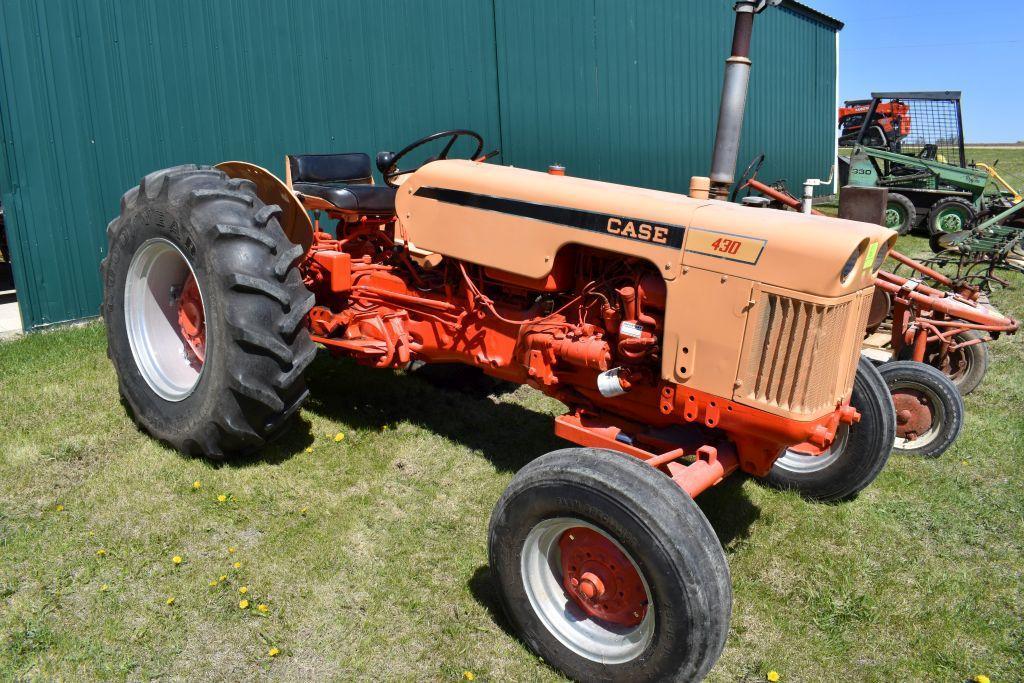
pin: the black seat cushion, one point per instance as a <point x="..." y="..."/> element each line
<point x="352" y="167"/>
<point x="375" y="199"/>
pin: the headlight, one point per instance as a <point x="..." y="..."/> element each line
<point x="851" y="263"/>
<point x="883" y="252"/>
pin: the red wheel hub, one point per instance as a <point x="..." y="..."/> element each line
<point x="600" y="579"/>
<point x="191" y="319"/>
<point x="913" y="413"/>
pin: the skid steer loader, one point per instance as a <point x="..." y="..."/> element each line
<point x="688" y="337"/>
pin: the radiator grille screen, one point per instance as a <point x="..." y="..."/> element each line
<point x="795" y="353"/>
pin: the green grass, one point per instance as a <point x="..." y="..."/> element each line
<point x="384" y="576"/>
<point x="1010" y="162"/>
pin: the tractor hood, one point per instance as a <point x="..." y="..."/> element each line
<point x="517" y="220"/>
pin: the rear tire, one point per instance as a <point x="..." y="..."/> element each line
<point x="858" y="454"/>
<point x="929" y="409"/>
<point x="951" y="215"/>
<point x="658" y="528"/>
<point x="900" y="214"/>
<point x="196" y="220"/>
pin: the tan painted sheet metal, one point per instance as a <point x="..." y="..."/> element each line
<point x="294" y="220"/>
<point x="527" y="246"/>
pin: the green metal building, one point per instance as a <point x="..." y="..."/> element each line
<point x="96" y="93"/>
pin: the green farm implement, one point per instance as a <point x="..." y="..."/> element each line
<point x="911" y="143"/>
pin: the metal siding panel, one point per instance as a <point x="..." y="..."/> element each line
<point x="629" y="92"/>
<point x="97" y="93"/>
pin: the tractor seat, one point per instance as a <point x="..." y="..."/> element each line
<point x="375" y="199"/>
<point x="344" y="180"/>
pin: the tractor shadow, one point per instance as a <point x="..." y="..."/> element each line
<point x="446" y="400"/>
<point x="461" y="406"/>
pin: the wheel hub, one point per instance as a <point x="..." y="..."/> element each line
<point x="191" y="319"/>
<point x="600" y="579"/>
<point x="914" y="415"/>
<point x="893" y="218"/>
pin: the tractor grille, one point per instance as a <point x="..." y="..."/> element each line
<point x="800" y="355"/>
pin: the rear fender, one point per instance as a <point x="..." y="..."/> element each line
<point x="295" y="222"/>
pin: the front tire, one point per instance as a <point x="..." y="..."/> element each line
<point x="205" y="312"/>
<point x="900" y="213"/>
<point x="665" y="596"/>
<point x="929" y="409"/>
<point x="858" y="453"/>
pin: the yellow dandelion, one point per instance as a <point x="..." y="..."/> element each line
<point x="213" y="584"/>
<point x="384" y="428"/>
<point x="170" y="600"/>
<point x="91" y="533"/>
<point x="60" y="508"/>
<point x="263" y="608"/>
<point x="223" y="577"/>
<point x="104" y="588"/>
<point x="243" y="590"/>
<point x="339" y="437"/>
<point x="981" y="678"/>
<point x="309" y="450"/>
<point x="231" y="549"/>
<point x="469" y="675"/>
<point x="101" y="553"/>
<point x="303" y="511"/>
<point x="221" y="498"/>
<point x="176" y="559"/>
<point x="237" y="565"/>
<point x="197" y="484"/>
<point x="773" y="676"/>
<point x="273" y="652"/>
<point x="244" y="604"/>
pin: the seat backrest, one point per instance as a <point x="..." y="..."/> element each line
<point x="352" y="167"/>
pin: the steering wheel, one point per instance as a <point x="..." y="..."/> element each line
<point x="387" y="162"/>
<point x="749" y="174"/>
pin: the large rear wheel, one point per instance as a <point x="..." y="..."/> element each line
<point x="858" y="453"/>
<point x="204" y="309"/>
<point x="608" y="570"/>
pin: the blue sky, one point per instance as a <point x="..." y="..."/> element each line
<point x="975" y="46"/>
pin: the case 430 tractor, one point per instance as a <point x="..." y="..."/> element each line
<point x="688" y="337"/>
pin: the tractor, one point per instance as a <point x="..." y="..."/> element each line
<point x="912" y="143"/>
<point x="689" y="339"/>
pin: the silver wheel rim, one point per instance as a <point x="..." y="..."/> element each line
<point x="800" y="463"/>
<point x="596" y="640"/>
<point x="938" y="416"/>
<point x="159" y="270"/>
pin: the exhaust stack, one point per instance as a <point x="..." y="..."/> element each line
<point x="734" y="98"/>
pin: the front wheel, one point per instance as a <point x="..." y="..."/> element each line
<point x="608" y="570"/>
<point x="929" y="409"/>
<point x="900" y="213"/>
<point x="858" y="453"/>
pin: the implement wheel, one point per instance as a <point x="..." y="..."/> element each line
<point x="929" y="409"/>
<point x="205" y="308"/>
<point x="608" y="570"/>
<point x="900" y="214"/>
<point x="966" y="366"/>
<point x="858" y="453"/>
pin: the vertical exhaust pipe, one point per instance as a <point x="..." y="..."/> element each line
<point x="734" y="98"/>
